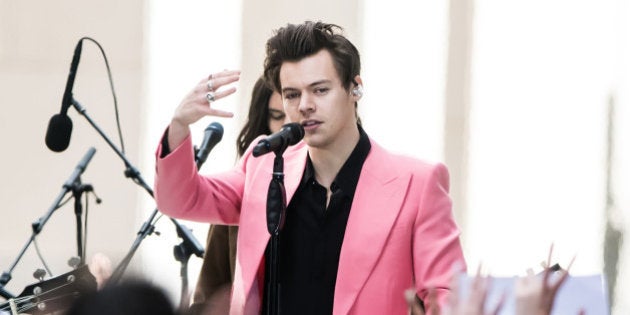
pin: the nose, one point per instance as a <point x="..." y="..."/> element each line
<point x="307" y="104"/>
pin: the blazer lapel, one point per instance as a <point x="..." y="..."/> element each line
<point x="376" y="205"/>
<point x="253" y="242"/>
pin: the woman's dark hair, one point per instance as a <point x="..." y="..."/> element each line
<point x="258" y="118"/>
<point x="295" y="42"/>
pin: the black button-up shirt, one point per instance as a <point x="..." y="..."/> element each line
<point x="310" y="242"/>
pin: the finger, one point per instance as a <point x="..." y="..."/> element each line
<point x="219" y="82"/>
<point x="530" y="272"/>
<point x="477" y="280"/>
<point x="201" y="111"/>
<point x="549" y="256"/>
<point x="485" y="292"/>
<point x="218" y="76"/>
<point x="221" y="94"/>
<point x="434" y="306"/>
<point x="546" y="274"/>
<point x="220" y="113"/>
<point x="529" y="277"/>
<point x="521" y="282"/>
<point x="487" y="283"/>
<point x="479" y="269"/>
<point x="556" y="285"/>
<point x="563" y="277"/>
<point x="203" y="98"/>
<point x="543" y="264"/>
<point x="207" y="107"/>
<point x="499" y="305"/>
<point x="414" y="307"/>
<point x="223" y="73"/>
<point x="565" y="274"/>
<point x="453" y="298"/>
<point x="571" y="262"/>
<point x="478" y="292"/>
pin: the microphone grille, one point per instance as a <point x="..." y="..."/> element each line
<point x="217" y="128"/>
<point x="297" y="132"/>
<point x="58" y="133"/>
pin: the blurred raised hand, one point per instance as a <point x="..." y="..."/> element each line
<point x="535" y="294"/>
<point x="473" y="304"/>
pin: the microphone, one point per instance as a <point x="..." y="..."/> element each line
<point x="290" y="134"/>
<point x="78" y="170"/>
<point x="60" y="126"/>
<point x="211" y="136"/>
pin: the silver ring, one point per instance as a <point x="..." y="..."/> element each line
<point x="210" y="86"/>
<point x="210" y="97"/>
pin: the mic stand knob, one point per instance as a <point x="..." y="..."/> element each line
<point x="4" y="279"/>
<point x="39" y="274"/>
<point x="74" y="262"/>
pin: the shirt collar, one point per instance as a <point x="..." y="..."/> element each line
<point x="348" y="176"/>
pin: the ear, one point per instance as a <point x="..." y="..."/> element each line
<point x="357" y="91"/>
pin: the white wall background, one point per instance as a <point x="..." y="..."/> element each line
<point x="184" y="46"/>
<point x="541" y="74"/>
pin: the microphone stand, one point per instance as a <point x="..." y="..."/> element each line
<point x="276" y="214"/>
<point x="148" y="227"/>
<point x="38" y="225"/>
<point x="77" y="191"/>
<point x="183" y="251"/>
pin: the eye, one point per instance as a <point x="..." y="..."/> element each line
<point x="321" y="90"/>
<point x="290" y="95"/>
<point x="276" y="114"/>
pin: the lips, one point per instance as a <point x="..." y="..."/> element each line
<point x="310" y="124"/>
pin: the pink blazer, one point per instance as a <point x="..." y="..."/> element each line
<point x="400" y="233"/>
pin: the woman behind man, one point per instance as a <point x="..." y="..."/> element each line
<point x="266" y="116"/>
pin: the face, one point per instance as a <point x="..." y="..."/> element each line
<point x="277" y="118"/>
<point x="314" y="96"/>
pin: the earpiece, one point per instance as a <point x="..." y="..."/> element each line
<point x="358" y="91"/>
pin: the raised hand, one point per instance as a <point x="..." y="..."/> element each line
<point x="534" y="294"/>
<point x="473" y="304"/>
<point x="199" y="103"/>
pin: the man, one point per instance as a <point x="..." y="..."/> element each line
<point x="362" y="224"/>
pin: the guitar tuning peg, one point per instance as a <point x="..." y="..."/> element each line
<point x="39" y="274"/>
<point x="74" y="262"/>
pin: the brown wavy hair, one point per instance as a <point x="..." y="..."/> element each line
<point x="295" y="42"/>
<point x="258" y="117"/>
